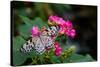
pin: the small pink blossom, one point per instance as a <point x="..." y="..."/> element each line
<point x="55" y="19"/>
<point x="35" y="31"/>
<point x="62" y="30"/>
<point x="71" y="32"/>
<point x="58" y="53"/>
<point x="58" y="49"/>
<point x="69" y="25"/>
<point x="51" y="18"/>
<point x="67" y="28"/>
<point x="56" y="45"/>
<point x="59" y="21"/>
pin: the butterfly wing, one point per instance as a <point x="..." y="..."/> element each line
<point x="48" y="36"/>
<point x="47" y="41"/>
<point x="39" y="46"/>
<point x="33" y="44"/>
<point x="54" y="30"/>
<point x="42" y="42"/>
<point x="28" y="46"/>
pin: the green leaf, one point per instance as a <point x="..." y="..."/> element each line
<point x="39" y="22"/>
<point x="25" y="29"/>
<point x="18" y="57"/>
<point x="55" y="59"/>
<point x="36" y="22"/>
<point x="18" y="41"/>
<point x="26" y="20"/>
<point x="80" y="58"/>
<point x="87" y="58"/>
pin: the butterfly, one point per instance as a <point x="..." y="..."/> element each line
<point x="41" y="43"/>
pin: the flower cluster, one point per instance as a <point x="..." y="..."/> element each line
<point x="58" y="49"/>
<point x="66" y="27"/>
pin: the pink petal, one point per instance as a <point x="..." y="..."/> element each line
<point x="71" y="33"/>
<point x="34" y="31"/>
<point x="57" y="52"/>
<point x="69" y="25"/>
<point x="62" y="30"/>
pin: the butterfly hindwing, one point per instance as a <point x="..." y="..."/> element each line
<point x="28" y="46"/>
<point x="33" y="44"/>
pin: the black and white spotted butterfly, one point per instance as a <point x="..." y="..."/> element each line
<point x="42" y="42"/>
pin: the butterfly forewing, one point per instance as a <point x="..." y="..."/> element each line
<point x="39" y="46"/>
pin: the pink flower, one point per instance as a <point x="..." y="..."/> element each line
<point x="62" y="30"/>
<point x="59" y="21"/>
<point x="51" y="18"/>
<point x="56" y="45"/>
<point x="58" y="49"/>
<point x="65" y="27"/>
<point x="35" y="31"/>
<point x="55" y="19"/>
<point x="71" y="32"/>
<point x="69" y="25"/>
